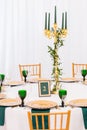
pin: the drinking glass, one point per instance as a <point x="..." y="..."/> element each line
<point x="84" y="73"/>
<point x="22" y="95"/>
<point x="2" y="77"/>
<point x="25" y="74"/>
<point x="62" y="94"/>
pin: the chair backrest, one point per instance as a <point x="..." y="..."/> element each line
<point x="56" y="120"/>
<point x="76" y="69"/>
<point x="33" y="69"/>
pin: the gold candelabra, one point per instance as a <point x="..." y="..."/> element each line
<point x="56" y="31"/>
<point x="58" y="34"/>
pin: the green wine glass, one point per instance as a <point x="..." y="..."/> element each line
<point x="2" y="77"/>
<point x="25" y="74"/>
<point x="22" y="95"/>
<point x="84" y="73"/>
<point x="62" y="94"/>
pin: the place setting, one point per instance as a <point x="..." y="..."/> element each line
<point x="81" y="78"/>
<point x="36" y="104"/>
<point x="48" y="104"/>
<point x="26" y="77"/>
<point x="13" y="102"/>
<point x="80" y="103"/>
<point x="8" y="82"/>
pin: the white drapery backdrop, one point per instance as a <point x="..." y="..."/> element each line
<point x="22" y="39"/>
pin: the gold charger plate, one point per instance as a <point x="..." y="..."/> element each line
<point x="36" y="80"/>
<point x="78" y="103"/>
<point x="10" y="102"/>
<point x="2" y="96"/>
<point x="14" y="83"/>
<point x="67" y="80"/>
<point x="41" y="104"/>
<point x="84" y="82"/>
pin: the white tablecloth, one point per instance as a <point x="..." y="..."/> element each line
<point x="16" y="118"/>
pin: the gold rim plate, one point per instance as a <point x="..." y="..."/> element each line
<point x="2" y="96"/>
<point x="41" y="104"/>
<point x="10" y="102"/>
<point x="78" y="103"/>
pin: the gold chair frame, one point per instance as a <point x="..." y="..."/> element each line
<point x="76" y="68"/>
<point x="55" y="121"/>
<point x="34" y="69"/>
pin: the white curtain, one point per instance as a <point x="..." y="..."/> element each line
<point x="22" y="39"/>
<point x="75" y="47"/>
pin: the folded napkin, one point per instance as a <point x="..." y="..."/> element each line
<point x="84" y="111"/>
<point x="39" y="118"/>
<point x="2" y="115"/>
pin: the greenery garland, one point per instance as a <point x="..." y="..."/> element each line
<point x="58" y="42"/>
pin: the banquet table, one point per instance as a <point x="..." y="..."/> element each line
<point x="16" y="117"/>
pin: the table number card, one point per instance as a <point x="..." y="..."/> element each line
<point x="44" y="88"/>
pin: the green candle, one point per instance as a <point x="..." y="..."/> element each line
<point x="55" y="16"/>
<point x="65" y="20"/>
<point x="49" y="21"/>
<point x="62" y="20"/>
<point x="45" y="20"/>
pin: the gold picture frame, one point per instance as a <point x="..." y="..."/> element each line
<point x="44" y="88"/>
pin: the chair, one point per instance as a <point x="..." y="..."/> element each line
<point x="76" y="69"/>
<point x="56" y="120"/>
<point x="34" y="70"/>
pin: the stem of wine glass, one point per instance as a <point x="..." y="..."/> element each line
<point x="83" y="78"/>
<point x="62" y="103"/>
<point x="22" y="103"/>
<point x="25" y="79"/>
<point x="0" y="88"/>
<point x="1" y="83"/>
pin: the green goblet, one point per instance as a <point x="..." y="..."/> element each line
<point x="22" y="95"/>
<point x="62" y="94"/>
<point x="25" y="74"/>
<point x="2" y="77"/>
<point x="84" y="73"/>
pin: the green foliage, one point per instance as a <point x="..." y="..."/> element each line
<point x="53" y="51"/>
<point x="55" y="57"/>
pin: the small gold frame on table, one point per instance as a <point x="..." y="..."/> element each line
<point x="44" y="88"/>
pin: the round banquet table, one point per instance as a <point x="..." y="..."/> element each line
<point x="16" y="117"/>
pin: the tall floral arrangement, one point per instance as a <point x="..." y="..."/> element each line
<point x="58" y="34"/>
